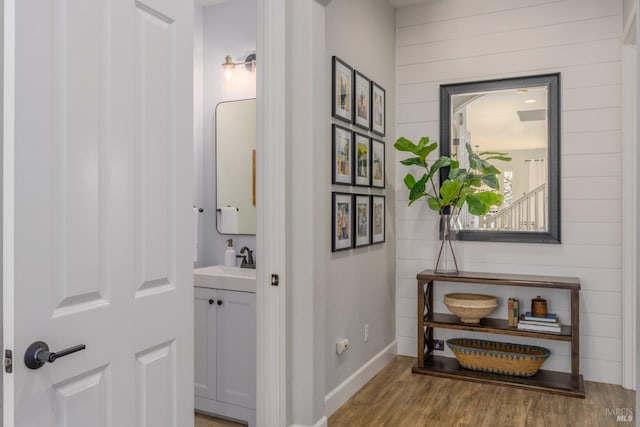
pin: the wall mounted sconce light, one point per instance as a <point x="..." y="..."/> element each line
<point x="229" y="65"/>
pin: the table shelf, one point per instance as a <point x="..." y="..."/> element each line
<point x="493" y="326"/>
<point x="567" y="384"/>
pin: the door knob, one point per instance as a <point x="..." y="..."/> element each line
<point x="219" y="302"/>
<point x="211" y="301"/>
<point x="38" y="354"/>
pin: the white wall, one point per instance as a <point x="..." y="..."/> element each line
<point x="359" y="284"/>
<point x="229" y="28"/>
<point x="462" y="40"/>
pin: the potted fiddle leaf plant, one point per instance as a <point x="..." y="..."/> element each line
<point x="476" y="186"/>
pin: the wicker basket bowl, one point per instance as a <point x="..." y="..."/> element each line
<point x="498" y="357"/>
<point x="470" y="308"/>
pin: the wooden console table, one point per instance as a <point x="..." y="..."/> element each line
<point x="567" y="384"/>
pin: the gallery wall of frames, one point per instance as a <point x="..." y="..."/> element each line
<point x="358" y="158"/>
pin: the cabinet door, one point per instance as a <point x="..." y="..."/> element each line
<point x="237" y="348"/>
<point x="205" y="342"/>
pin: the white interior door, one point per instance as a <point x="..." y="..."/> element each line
<point x="97" y="211"/>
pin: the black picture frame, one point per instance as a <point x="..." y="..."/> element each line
<point x="361" y="161"/>
<point x="342" y="155"/>
<point x="341" y="90"/>
<point x="377" y="163"/>
<point x="361" y="100"/>
<point x="552" y="83"/>
<point x="361" y="220"/>
<point x="341" y="221"/>
<point x="378" y="219"/>
<point x="378" y="109"/>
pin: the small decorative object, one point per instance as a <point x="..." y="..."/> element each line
<point x="476" y="187"/>
<point x="342" y="99"/>
<point x="362" y="155"/>
<point x="378" y="109"/>
<point x="539" y="307"/>
<point x="470" y="308"/>
<point x="361" y="100"/>
<point x="377" y="163"/>
<point x="342" y="162"/>
<point x="342" y="220"/>
<point x="362" y="227"/>
<point x="377" y="219"/>
<point x="497" y="357"/>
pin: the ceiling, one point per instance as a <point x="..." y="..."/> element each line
<point x="394" y="3"/>
<point x="405" y="3"/>
<point x="494" y="122"/>
<point x="209" y="2"/>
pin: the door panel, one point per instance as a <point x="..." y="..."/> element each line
<point x="100" y="212"/>
<point x="236" y="372"/>
<point x="84" y="400"/>
<point x="155" y="386"/>
<point x="205" y="342"/>
<point x="155" y="141"/>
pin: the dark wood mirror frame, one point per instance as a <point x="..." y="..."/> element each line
<point x="552" y="81"/>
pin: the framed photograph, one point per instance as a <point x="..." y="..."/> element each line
<point x="377" y="219"/>
<point x="362" y="226"/>
<point x="341" y="221"/>
<point x="342" y="99"/>
<point x="361" y="100"/>
<point x="378" y="109"/>
<point x="362" y="159"/>
<point x="377" y="163"/>
<point x="342" y="158"/>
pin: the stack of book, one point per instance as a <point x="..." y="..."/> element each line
<point x="549" y="323"/>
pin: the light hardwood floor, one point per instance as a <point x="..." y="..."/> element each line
<point x="397" y="398"/>
<point x="207" y="421"/>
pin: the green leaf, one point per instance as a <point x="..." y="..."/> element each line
<point x="486" y="153"/>
<point x="490" y="180"/>
<point x="425" y="151"/>
<point x="490" y="198"/>
<point x="455" y="164"/>
<point x="476" y="205"/>
<point x="449" y="190"/>
<point x="423" y="142"/>
<point x="459" y="175"/>
<point x="503" y="158"/>
<point x="403" y="144"/>
<point x="409" y="181"/>
<point x="412" y="161"/>
<point x="433" y="203"/>
<point x="440" y="163"/>
<point x="418" y="188"/>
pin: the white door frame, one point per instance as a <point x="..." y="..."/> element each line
<point x="271" y="230"/>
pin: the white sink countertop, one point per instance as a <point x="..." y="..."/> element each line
<point x="229" y="278"/>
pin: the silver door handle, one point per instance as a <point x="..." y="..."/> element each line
<point x="38" y="354"/>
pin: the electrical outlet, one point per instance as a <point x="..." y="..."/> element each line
<point x="342" y="345"/>
<point x="438" y="345"/>
<point x="366" y="332"/>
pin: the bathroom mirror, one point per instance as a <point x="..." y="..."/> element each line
<point x="236" y="167"/>
<point x="519" y="116"/>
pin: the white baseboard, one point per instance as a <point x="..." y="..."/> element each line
<point x="339" y="395"/>
<point x="321" y="423"/>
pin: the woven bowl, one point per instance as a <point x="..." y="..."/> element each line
<point x="470" y="308"/>
<point x="498" y="357"/>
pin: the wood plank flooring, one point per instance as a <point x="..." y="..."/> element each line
<point x="397" y="398"/>
<point x="207" y="421"/>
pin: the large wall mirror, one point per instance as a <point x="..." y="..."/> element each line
<point x="520" y="116"/>
<point x="236" y="167"/>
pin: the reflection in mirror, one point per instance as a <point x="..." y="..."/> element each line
<point x="236" y="167"/>
<point x="520" y="117"/>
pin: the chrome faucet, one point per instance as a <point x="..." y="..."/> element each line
<point x="246" y="255"/>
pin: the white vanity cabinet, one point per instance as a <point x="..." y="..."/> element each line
<point x="225" y="353"/>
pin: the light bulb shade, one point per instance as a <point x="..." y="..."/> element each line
<point x="228" y="67"/>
